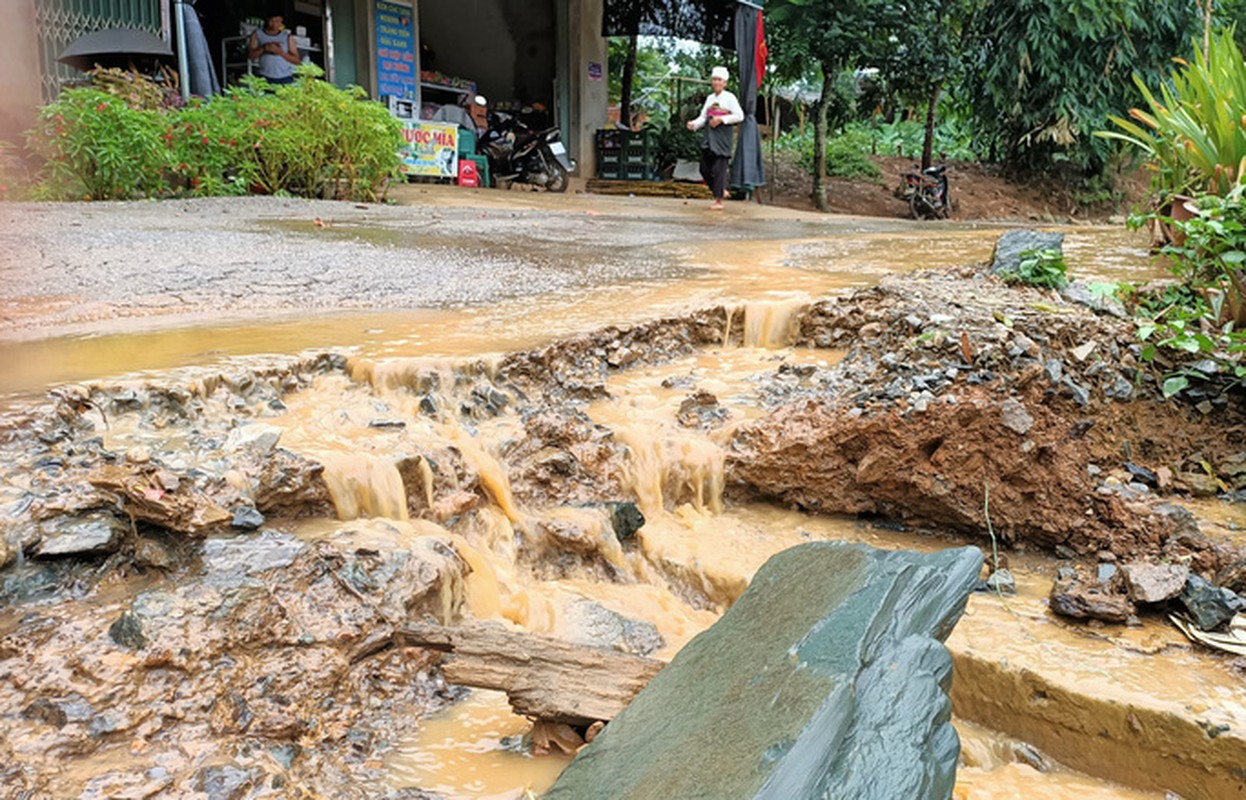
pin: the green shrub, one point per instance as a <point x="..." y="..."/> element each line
<point x="307" y="138"/>
<point x="98" y="148"/>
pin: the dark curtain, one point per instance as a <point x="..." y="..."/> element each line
<point x="747" y="170"/>
<point x="707" y="21"/>
<point x="202" y="75"/>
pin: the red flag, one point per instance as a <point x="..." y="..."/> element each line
<point x="759" y="60"/>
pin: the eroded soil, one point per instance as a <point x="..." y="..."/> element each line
<point x="180" y="613"/>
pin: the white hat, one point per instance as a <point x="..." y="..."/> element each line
<point x="719" y="72"/>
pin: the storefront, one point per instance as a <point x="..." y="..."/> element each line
<point x="419" y="55"/>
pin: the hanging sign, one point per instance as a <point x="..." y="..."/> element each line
<point x="431" y="149"/>
<point x="395" y="50"/>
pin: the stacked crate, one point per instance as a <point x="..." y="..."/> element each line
<point x="626" y="155"/>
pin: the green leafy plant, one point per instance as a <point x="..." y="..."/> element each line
<point x="96" y="147"/>
<point x="1195" y="131"/>
<point x="1045" y="267"/>
<point x="308" y="138"/>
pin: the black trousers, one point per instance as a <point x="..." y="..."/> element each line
<point x="714" y="172"/>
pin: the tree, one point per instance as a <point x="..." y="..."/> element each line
<point x="1043" y="75"/>
<point x="928" y="53"/>
<point x="829" y="37"/>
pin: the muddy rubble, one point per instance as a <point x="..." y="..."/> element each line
<point x="166" y="627"/>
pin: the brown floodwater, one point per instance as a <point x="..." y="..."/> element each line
<point x="471" y="750"/>
<point x="729" y="272"/>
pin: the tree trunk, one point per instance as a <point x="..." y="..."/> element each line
<point x="629" y="77"/>
<point x="928" y="144"/>
<point x="819" y="138"/>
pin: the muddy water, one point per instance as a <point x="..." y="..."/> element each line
<point x="707" y="273"/>
<point x="695" y="554"/>
<point x="690" y="561"/>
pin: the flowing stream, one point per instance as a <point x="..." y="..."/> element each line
<point x="695" y="553"/>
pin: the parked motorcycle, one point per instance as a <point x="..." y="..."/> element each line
<point x="520" y="154"/>
<point x="926" y="191"/>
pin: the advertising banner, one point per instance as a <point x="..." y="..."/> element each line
<point x="431" y="149"/>
<point x="395" y="50"/>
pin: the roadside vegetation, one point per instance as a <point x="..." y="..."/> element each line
<point x="122" y="138"/>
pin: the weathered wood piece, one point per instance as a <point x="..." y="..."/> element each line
<point x="546" y="679"/>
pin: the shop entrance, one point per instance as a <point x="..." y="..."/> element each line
<point x="227" y="24"/>
<point x="502" y="49"/>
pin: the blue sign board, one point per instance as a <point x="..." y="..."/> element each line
<point x="395" y="49"/>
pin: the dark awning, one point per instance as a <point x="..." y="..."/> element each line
<point x="114" y="47"/>
<point x="707" y="21"/>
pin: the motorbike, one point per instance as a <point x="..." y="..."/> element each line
<point x="926" y="191"/>
<point x="521" y="154"/>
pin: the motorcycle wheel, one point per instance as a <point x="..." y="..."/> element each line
<point x="558" y="178"/>
<point x="918" y="207"/>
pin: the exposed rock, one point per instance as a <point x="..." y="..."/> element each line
<point x="1011" y="244"/>
<point x="1154" y="583"/>
<point x="127" y="631"/>
<point x="1001" y="581"/>
<point x="1016" y="418"/>
<point x="701" y="410"/>
<point x="626" y="519"/>
<point x="1072" y="596"/>
<point x="160" y="498"/>
<point x="94" y="533"/>
<point x="257" y="436"/>
<point x="1209" y="605"/>
<point x="246" y="518"/>
<point x="591" y="623"/>
<point x="1081" y="293"/>
<point x="827" y="672"/>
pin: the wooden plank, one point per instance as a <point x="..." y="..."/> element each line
<point x="696" y="191"/>
<point x="544" y="678"/>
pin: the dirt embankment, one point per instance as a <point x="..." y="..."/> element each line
<point x="966" y="403"/>
<point x="978" y="192"/>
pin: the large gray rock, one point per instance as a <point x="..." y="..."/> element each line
<point x="1012" y="244"/>
<point x="827" y="675"/>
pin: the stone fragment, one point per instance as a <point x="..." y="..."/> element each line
<point x="1142" y="474"/>
<point x="827" y="672"/>
<point x="1011" y="244"/>
<point x="1080" y="292"/>
<point x="1002" y="582"/>
<point x="1016" y="418"/>
<point x="1071" y="596"/>
<point x="127" y="631"/>
<point x="1209" y="605"/>
<point x="626" y="518"/>
<point x="1054" y="369"/>
<point x="246" y="518"/>
<point x="1154" y="583"/>
<point x="90" y="534"/>
<point x="1083" y="351"/>
<point x="257" y="436"/>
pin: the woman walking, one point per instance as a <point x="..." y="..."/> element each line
<point x="720" y="112"/>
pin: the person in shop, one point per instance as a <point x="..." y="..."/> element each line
<point x="273" y="46"/>
<point x="721" y="111"/>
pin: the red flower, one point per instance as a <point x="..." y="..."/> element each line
<point x="101" y="107"/>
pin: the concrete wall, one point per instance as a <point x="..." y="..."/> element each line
<point x="588" y="96"/>
<point x="20" y="94"/>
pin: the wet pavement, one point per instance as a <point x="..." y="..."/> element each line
<point x="75" y="268"/>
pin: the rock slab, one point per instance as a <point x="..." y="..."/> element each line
<point x="827" y="674"/>
<point x="1011" y="244"/>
